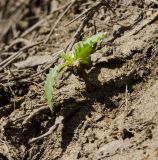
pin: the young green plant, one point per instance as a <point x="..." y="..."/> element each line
<point x="76" y="59"/>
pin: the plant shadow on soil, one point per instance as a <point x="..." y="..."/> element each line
<point x="102" y="95"/>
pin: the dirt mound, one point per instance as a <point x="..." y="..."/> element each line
<point x="118" y="120"/>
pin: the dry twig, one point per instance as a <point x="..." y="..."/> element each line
<point x="56" y="124"/>
<point x="58" y="20"/>
<point x="39" y="23"/>
<point x="10" y="59"/>
<point x="18" y="40"/>
<point x="84" y="13"/>
<point x="35" y="112"/>
<point x="55" y="58"/>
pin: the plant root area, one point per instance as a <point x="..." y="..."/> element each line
<point x="118" y="119"/>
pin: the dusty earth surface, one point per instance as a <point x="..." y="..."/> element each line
<point x="118" y="120"/>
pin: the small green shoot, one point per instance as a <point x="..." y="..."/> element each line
<point x="49" y="85"/>
<point x="79" y="56"/>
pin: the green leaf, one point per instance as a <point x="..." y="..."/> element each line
<point x="82" y="52"/>
<point x="66" y="56"/>
<point x="83" y="49"/>
<point x="49" y="85"/>
<point x="94" y="38"/>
